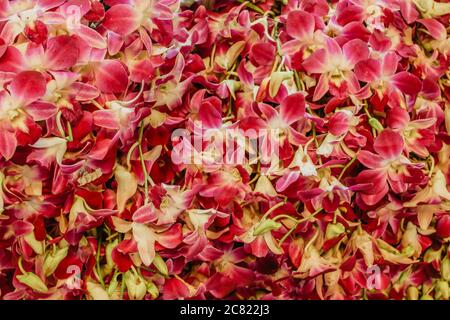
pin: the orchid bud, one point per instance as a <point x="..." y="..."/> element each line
<point x="266" y="226"/>
<point x="441" y="291"/>
<point x="108" y="252"/>
<point x="374" y="123"/>
<point x="408" y="251"/>
<point x="334" y="230"/>
<point x="96" y="291"/>
<point x="412" y="293"/>
<point x="445" y="269"/>
<point x="432" y="255"/>
<point x="410" y="241"/>
<point x="33" y="281"/>
<point x="135" y="286"/>
<point x="113" y="284"/>
<point x="38" y="246"/>
<point x="159" y="263"/>
<point x="52" y="260"/>
<point x="152" y="289"/>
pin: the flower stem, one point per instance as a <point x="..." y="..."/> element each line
<point x="97" y="259"/>
<point x="279" y="204"/>
<point x="252" y="6"/>
<point x="147" y="178"/>
<point x="122" y="287"/>
<point x="296" y="225"/>
<point x="347" y="166"/>
<point x="69" y="129"/>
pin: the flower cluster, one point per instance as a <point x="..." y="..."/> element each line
<point x="344" y="196"/>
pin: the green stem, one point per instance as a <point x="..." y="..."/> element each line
<point x="59" y="124"/>
<point x="252" y="6"/>
<point x="347" y="166"/>
<point x="122" y="287"/>
<point x="69" y="129"/>
<point x="279" y="204"/>
<point x="99" y="271"/>
<point x="21" y="266"/>
<point x="296" y="224"/>
<point x="147" y="178"/>
<point x="316" y="143"/>
<point x="284" y="216"/>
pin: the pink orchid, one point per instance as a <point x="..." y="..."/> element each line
<point x="336" y="64"/>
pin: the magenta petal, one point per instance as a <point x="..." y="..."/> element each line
<point x="145" y="214"/>
<point x="8" y="143"/>
<point x="92" y="37"/>
<point x="355" y="51"/>
<point x="49" y="4"/>
<point x="409" y="11"/>
<point x="175" y="289"/>
<point x="435" y="28"/>
<point x="317" y="62"/>
<point x="106" y="119"/>
<point x="286" y="180"/>
<point x="389" y="144"/>
<point x="111" y="77"/>
<point x="339" y="123"/>
<point x="321" y="88"/>
<point x="62" y="52"/>
<point x="398" y="118"/>
<point x="333" y="48"/>
<point x="407" y="83"/>
<point x="300" y="24"/>
<point x="84" y="91"/>
<point x="171" y="238"/>
<point x="378" y="179"/>
<point x="22" y="228"/>
<point x="292" y="108"/>
<point x="41" y="110"/>
<point x="370" y="160"/>
<point x="368" y="70"/>
<point x="28" y="86"/>
<point x="390" y="62"/>
<point x="100" y="149"/>
<point x="123" y="19"/>
<point x="210" y="115"/>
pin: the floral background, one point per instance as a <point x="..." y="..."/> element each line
<point x="354" y="203"/>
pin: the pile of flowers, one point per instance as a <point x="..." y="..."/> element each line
<point x="220" y="149"/>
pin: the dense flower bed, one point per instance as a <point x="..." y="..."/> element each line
<point x="127" y="169"/>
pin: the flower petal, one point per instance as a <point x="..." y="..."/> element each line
<point x="389" y="144"/>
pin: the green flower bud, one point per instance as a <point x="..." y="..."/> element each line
<point x="412" y="293"/>
<point x="445" y="269"/>
<point x="374" y="123"/>
<point x="159" y="263"/>
<point x="135" y="286"/>
<point x="266" y="226"/>
<point x="108" y="252"/>
<point x="153" y="290"/>
<point x="38" y="246"/>
<point x="334" y="230"/>
<point x="113" y="284"/>
<point x="96" y="291"/>
<point x="426" y="297"/>
<point x="408" y="251"/>
<point x="33" y="281"/>
<point x="441" y="290"/>
<point x="432" y="255"/>
<point x="52" y="260"/>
